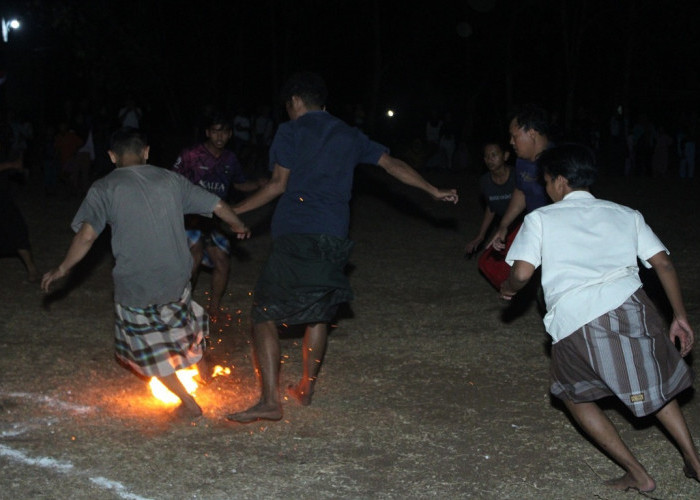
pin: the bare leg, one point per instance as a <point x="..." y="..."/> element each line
<point x="204" y="368"/>
<point x="672" y="419"/>
<point x="219" y="277"/>
<point x="313" y="349"/>
<point x="26" y="256"/>
<point x="599" y="427"/>
<point x="267" y="354"/>
<point x="189" y="407"/>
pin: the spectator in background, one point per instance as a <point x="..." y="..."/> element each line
<point x="215" y="168"/>
<point x="130" y="114"/>
<point x="496" y="188"/>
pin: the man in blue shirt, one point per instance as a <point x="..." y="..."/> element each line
<point x="313" y="158"/>
<point x="529" y="137"/>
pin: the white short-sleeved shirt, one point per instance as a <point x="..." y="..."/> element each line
<point x="588" y="250"/>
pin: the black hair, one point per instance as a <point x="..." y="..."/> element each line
<point x="532" y="117"/>
<point x="574" y="162"/>
<point x="128" y="140"/>
<point x="218" y="118"/>
<point x="306" y="85"/>
<point x="500" y="142"/>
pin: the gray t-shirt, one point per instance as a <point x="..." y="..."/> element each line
<point x="145" y="205"/>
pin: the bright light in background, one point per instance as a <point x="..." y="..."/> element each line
<point x="390" y="113"/>
<point x="12" y="24"/>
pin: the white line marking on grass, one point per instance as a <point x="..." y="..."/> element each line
<point x="45" y="462"/>
<point x="116" y="487"/>
<point x="67" y="468"/>
<point x="17" y="430"/>
<point x="57" y="403"/>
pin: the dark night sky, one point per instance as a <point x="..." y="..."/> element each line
<point x="177" y="55"/>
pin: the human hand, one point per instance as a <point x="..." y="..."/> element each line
<point x="473" y="245"/>
<point x="680" y="329"/>
<point x="241" y="230"/>
<point x="52" y="276"/>
<point x="449" y="195"/>
<point x="498" y="242"/>
<point x="506" y="292"/>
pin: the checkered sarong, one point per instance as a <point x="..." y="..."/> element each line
<point x="625" y="353"/>
<point x="158" y="340"/>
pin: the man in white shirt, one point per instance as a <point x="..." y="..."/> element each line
<point x="608" y="339"/>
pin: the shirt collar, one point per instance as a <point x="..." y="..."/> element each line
<point x="578" y="195"/>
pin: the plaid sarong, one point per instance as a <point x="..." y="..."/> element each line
<point x="158" y="340"/>
<point x="625" y="353"/>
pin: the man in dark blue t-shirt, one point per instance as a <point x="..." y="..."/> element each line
<point x="313" y="158"/>
<point x="529" y="137"/>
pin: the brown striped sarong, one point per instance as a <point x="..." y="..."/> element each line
<point x="625" y="353"/>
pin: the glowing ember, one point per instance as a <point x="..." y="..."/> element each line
<point x="221" y="370"/>
<point x="187" y="377"/>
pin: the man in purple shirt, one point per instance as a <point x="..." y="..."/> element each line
<point x="215" y="168"/>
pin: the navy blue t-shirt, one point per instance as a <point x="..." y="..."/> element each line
<point x="529" y="181"/>
<point x="321" y="152"/>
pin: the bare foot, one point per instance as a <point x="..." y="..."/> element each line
<point x="302" y="394"/>
<point x="690" y="472"/>
<point x="261" y="411"/>
<point x="187" y="412"/>
<point x="627" y="482"/>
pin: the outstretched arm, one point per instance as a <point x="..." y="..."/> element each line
<point x="515" y="208"/>
<point x="79" y="247"/>
<point x="224" y="211"/>
<point x="680" y="329"/>
<point x="275" y="187"/>
<point x="403" y="172"/>
<point x="520" y="274"/>
<point x="485" y="223"/>
<point x="249" y="186"/>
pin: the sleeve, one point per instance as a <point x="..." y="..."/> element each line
<point x="517" y="180"/>
<point x="370" y="151"/>
<point x="648" y="244"/>
<point x="196" y="199"/>
<point x="93" y="210"/>
<point x="527" y="245"/>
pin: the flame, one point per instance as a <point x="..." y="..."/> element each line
<point x="220" y="370"/>
<point x="187" y="377"/>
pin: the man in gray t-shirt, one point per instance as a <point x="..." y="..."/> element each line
<point x="159" y="329"/>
